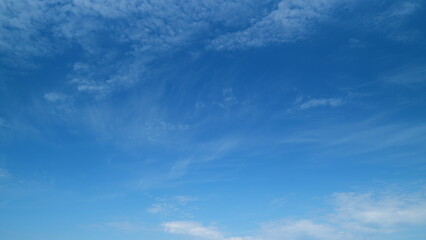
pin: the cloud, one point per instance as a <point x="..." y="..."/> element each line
<point x="4" y="174"/>
<point x="4" y="123"/>
<point x="295" y="20"/>
<point x="407" y="75"/>
<point x="380" y="137"/>
<point x="228" y="95"/>
<point x="300" y="229"/>
<point x="289" y="230"/>
<point x="362" y="215"/>
<point x="397" y="12"/>
<point x="193" y="229"/>
<point x="99" y="81"/>
<point x="385" y="212"/>
<point x="55" y="97"/>
<point x="357" y="138"/>
<point x="321" y="102"/>
<point x="117" y="42"/>
<point x="178" y="204"/>
<point x="198" y="231"/>
<point x="125" y="36"/>
<point x="289" y="22"/>
<point x="22" y="24"/>
<point x="391" y="21"/>
<point x="356" y="43"/>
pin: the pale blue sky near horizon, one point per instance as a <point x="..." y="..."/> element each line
<point x="212" y="120"/>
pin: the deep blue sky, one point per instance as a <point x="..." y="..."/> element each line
<point x="212" y="120"/>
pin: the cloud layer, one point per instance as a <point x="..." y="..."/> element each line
<point x="129" y="36"/>
<point x="353" y="216"/>
<point x="291" y="21"/>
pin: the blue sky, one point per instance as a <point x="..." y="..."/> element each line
<point x="212" y="120"/>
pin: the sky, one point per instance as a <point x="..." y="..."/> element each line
<point x="212" y="119"/>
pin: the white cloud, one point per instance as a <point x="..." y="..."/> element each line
<point x="193" y="229"/>
<point x="4" y="174"/>
<point x="171" y="205"/>
<point x="357" y="216"/>
<point x="406" y="75"/>
<point x="135" y="33"/>
<point x="358" y="138"/>
<point x="352" y="216"/>
<point x="288" y="230"/>
<point x="391" y="21"/>
<point x="356" y="43"/>
<point x="291" y="21"/>
<point x="301" y="229"/>
<point x="198" y="231"/>
<point x="20" y="28"/>
<point x="55" y="97"/>
<point x="121" y="39"/>
<point x="321" y="102"/>
<point x="161" y="208"/>
<point x="37" y="28"/>
<point x="397" y="13"/>
<point x="294" y="20"/>
<point x="379" y="212"/>
<point x="228" y="95"/>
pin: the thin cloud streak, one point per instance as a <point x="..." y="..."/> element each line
<point x="321" y="102"/>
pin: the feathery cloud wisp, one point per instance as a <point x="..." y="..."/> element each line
<point x="291" y="21"/>
<point x="321" y="102"/>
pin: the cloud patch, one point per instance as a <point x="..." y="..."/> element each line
<point x="321" y="102"/>
<point x="193" y="229"/>
<point x="4" y="174"/>
<point x="178" y="204"/>
<point x="362" y="215"/>
<point x="301" y="229"/>
<point x="55" y="97"/>
<point x="406" y="75"/>
<point x="4" y="123"/>
<point x="368" y="212"/>
<point x="291" y="21"/>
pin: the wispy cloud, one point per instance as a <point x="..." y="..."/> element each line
<point x="362" y="137"/>
<point x="199" y="166"/>
<point x="4" y="123"/>
<point x="406" y="75"/>
<point x="4" y="174"/>
<point x="21" y="30"/>
<point x="178" y="204"/>
<point x="120" y="41"/>
<point x="321" y="102"/>
<point x="356" y="216"/>
<point x="353" y="216"/>
<point x="55" y="97"/>
<point x="291" y="230"/>
<point x="384" y="212"/>
<point x="125" y="37"/>
<point x="391" y="21"/>
<point x="290" y="21"/>
<point x="193" y="229"/>
<point x="301" y="229"/>
<point x="357" y="43"/>
<point x="397" y="12"/>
